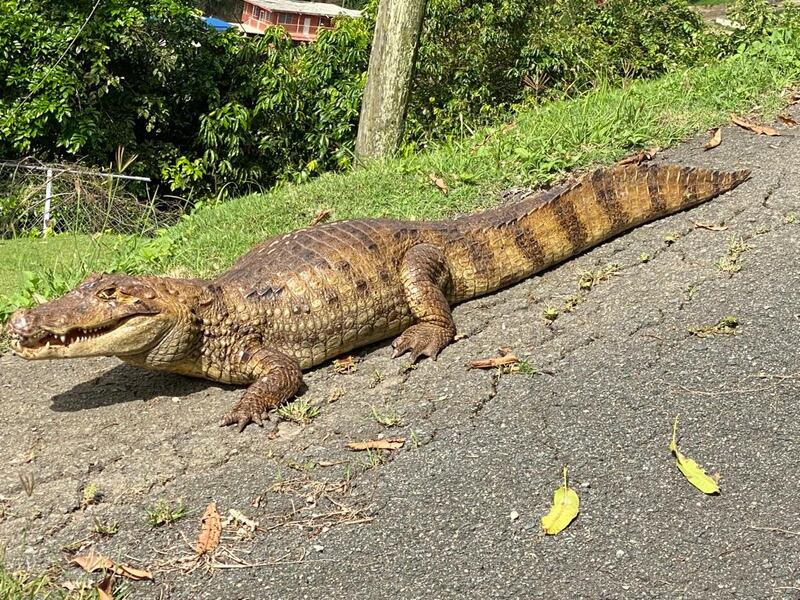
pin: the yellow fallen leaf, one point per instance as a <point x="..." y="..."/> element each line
<point x="565" y="508"/>
<point x="696" y="475"/>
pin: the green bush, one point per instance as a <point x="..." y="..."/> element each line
<point x="286" y="111"/>
<point x="214" y="114"/>
<point x="478" y="58"/>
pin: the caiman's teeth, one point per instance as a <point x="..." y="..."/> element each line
<point x="47" y="346"/>
<point x="63" y="339"/>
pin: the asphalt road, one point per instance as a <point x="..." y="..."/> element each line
<point x="434" y="519"/>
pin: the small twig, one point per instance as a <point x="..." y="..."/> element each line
<point x="774" y="529"/>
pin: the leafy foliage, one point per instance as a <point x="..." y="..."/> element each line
<point x="213" y="114"/>
<point x="81" y="79"/>
<point x="479" y="58"/>
<point x="285" y="110"/>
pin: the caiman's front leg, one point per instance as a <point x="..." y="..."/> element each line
<point x="426" y="276"/>
<point x="276" y="378"/>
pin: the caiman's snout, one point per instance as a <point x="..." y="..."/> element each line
<point x="103" y="316"/>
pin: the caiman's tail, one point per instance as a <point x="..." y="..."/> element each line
<point x="506" y="244"/>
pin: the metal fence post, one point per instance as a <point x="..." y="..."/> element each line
<point x="48" y="194"/>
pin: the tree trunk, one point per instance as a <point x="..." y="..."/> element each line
<point x="391" y="65"/>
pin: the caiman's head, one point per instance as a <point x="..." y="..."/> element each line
<point x="111" y="315"/>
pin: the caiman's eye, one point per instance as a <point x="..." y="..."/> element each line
<point x="107" y="293"/>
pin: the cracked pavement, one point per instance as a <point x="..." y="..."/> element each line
<point x="602" y="385"/>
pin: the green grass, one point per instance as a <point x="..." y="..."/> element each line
<point x="65" y="254"/>
<point x="542" y="144"/>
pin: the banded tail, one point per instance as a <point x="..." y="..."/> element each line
<point x="506" y="244"/>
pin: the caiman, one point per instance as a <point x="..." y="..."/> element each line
<point x="299" y="299"/>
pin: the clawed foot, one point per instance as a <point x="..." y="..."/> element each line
<point x="243" y="414"/>
<point x="422" y="339"/>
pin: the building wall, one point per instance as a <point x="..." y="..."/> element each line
<point x="300" y="27"/>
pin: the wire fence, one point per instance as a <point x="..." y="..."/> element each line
<point x="38" y="199"/>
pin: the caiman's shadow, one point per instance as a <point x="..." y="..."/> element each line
<point x="126" y="383"/>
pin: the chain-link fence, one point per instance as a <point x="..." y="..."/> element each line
<point x="38" y="199"/>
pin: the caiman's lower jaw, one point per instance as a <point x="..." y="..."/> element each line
<point x="75" y="342"/>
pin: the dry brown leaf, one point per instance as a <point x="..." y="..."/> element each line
<point x="794" y="98"/>
<point x="387" y="444"/>
<point x="787" y="120"/>
<point x="439" y="183"/>
<point x="491" y="363"/>
<point x="757" y="129"/>
<point x="210" y="531"/>
<point x="96" y="562"/>
<point x="504" y="350"/>
<point x="715" y="139"/>
<point x="709" y="226"/>
<point x="104" y="588"/>
<point x="642" y="156"/>
<point x="321" y="216"/>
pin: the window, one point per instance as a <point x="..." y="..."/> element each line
<point x="258" y="13"/>
<point x="286" y="19"/>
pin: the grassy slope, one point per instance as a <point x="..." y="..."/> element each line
<point x="540" y="145"/>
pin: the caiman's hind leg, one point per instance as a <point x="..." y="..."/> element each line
<point x="426" y="277"/>
<point x="276" y="378"/>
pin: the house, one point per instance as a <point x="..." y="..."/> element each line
<point x="301" y="20"/>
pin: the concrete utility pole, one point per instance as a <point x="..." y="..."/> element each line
<point x="391" y="65"/>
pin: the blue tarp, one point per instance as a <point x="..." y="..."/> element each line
<point x="217" y="24"/>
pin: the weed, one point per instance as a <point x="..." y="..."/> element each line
<point x="790" y="218"/>
<point x="645" y="257"/>
<point x="725" y="326"/>
<point x="415" y="441"/>
<point x="347" y="474"/>
<point x="165" y="512"/>
<point x="524" y="367"/>
<point x="300" y="411"/>
<point x="106" y="528"/>
<point x="671" y="238"/>
<point x="589" y="279"/>
<point x="407" y="366"/>
<point x="90" y="494"/>
<point x="278" y="481"/>
<point x="572" y="302"/>
<point x="731" y="263"/>
<point x="550" y="313"/>
<point x="372" y="459"/>
<point x="377" y="377"/>
<point x="387" y="418"/>
<point x="303" y="467"/>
